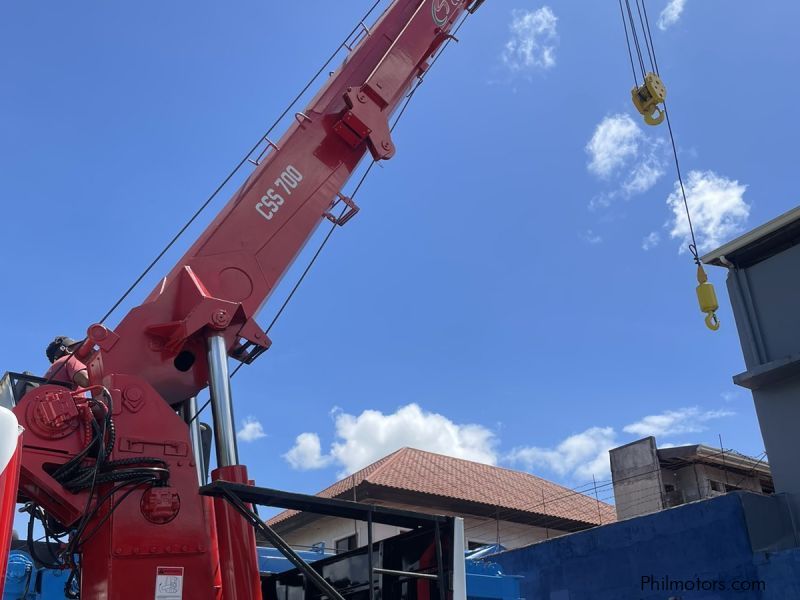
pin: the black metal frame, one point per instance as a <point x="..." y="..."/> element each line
<point x="15" y="378"/>
<point x="34" y="379"/>
<point x="240" y="495"/>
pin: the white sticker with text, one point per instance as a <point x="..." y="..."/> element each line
<point x="169" y="583"/>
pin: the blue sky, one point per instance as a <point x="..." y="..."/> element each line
<point x="494" y="298"/>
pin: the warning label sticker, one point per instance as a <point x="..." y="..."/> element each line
<point x="169" y="583"/>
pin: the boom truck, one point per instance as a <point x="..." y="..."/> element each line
<point x="116" y="470"/>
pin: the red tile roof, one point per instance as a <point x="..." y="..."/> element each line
<point x="455" y="479"/>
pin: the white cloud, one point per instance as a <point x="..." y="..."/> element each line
<point x="365" y="438"/>
<point x="651" y="241"/>
<point x="731" y="395"/>
<point x="647" y="171"/>
<point x="614" y="142"/>
<point x="717" y="207"/>
<point x="620" y="150"/>
<point x="251" y="430"/>
<point x="579" y="456"/>
<point x="602" y="200"/>
<point x="675" y="422"/>
<point x="671" y="13"/>
<point x="306" y="453"/>
<point x="533" y="40"/>
<point x="583" y="455"/>
<point x="590" y="237"/>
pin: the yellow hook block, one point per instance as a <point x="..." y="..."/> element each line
<point x="707" y="298"/>
<point x="647" y="98"/>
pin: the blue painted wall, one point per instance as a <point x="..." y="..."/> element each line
<point x="706" y="540"/>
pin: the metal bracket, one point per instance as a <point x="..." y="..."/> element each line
<point x="168" y="447"/>
<point x="348" y="214"/>
<point x="243" y="497"/>
<point x="276" y="540"/>
<point x="255" y="343"/>
<point x="365" y="121"/>
<point x="270" y="144"/>
<point x="363" y="31"/>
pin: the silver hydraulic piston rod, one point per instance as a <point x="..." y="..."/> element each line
<point x="221" y="402"/>
<point x="190" y="416"/>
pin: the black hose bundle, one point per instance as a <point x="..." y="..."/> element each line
<point x="80" y="473"/>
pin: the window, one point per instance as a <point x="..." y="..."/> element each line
<point x="718" y="486"/>
<point x="346" y="544"/>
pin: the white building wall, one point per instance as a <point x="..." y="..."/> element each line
<point x="476" y="529"/>
<point x="511" y="535"/>
<point x="329" y="530"/>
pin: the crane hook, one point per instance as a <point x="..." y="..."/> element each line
<point x="707" y="298"/>
<point x="712" y="321"/>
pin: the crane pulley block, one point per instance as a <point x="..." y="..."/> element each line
<point x="647" y="97"/>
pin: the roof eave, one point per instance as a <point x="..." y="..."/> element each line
<point x="758" y="241"/>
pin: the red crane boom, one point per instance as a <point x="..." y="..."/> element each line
<point x="230" y="271"/>
<point x="177" y="342"/>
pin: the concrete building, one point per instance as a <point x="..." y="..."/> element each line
<point x="764" y="292"/>
<point x="648" y="479"/>
<point x="498" y="505"/>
